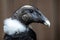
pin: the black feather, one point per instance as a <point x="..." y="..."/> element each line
<point x="27" y="35"/>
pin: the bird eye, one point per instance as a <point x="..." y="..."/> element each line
<point x="31" y="11"/>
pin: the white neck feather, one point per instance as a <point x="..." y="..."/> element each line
<point x="12" y="25"/>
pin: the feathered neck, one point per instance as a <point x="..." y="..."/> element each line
<point x="13" y="25"/>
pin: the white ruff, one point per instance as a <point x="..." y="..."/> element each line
<point x="12" y="26"/>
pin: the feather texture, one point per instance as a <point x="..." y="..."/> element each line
<point x="12" y="25"/>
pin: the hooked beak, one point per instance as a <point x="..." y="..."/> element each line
<point x="47" y="23"/>
<point x="44" y="20"/>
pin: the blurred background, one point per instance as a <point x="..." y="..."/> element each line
<point x="50" y="8"/>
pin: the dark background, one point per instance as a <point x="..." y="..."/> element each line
<point x="50" y="8"/>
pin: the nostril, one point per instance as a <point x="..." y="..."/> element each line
<point x="38" y="13"/>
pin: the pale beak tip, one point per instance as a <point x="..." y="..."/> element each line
<point x="47" y="22"/>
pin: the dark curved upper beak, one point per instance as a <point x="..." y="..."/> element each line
<point x="46" y="21"/>
<point x="43" y="19"/>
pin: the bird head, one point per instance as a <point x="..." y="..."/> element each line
<point x="28" y="14"/>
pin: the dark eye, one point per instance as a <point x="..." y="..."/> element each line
<point x="31" y="11"/>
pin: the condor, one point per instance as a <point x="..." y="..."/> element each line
<point x="17" y="26"/>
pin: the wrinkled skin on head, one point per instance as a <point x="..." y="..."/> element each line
<point x="31" y="14"/>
